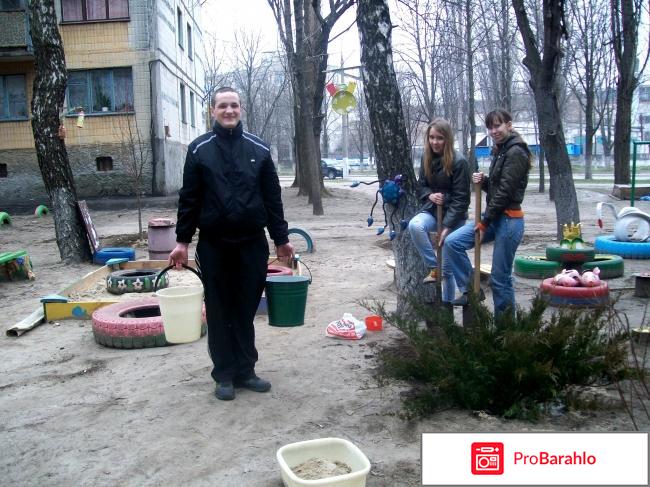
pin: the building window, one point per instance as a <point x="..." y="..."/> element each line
<point x="644" y="93"/>
<point x="189" y="41"/>
<point x="93" y="10"/>
<point x="13" y="97"/>
<point x="3" y="170"/>
<point x="100" y="91"/>
<point x="9" y="5"/>
<point x="179" y="26"/>
<point x="192" y="113"/>
<point x="104" y="163"/>
<point x="183" y="107"/>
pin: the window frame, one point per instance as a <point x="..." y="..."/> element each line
<point x="21" y="6"/>
<point x="86" y="20"/>
<point x="4" y="101"/>
<point x="90" y="96"/>
<point x="183" y="104"/>
<point x="190" y="54"/>
<point x="192" y="109"/>
<point x="179" y="26"/>
<point x="644" y="93"/>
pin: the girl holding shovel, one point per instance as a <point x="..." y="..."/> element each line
<point x="443" y="182"/>
<point x="503" y="219"/>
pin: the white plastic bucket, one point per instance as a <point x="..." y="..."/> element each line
<point x="181" y="310"/>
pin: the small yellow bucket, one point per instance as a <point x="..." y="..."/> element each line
<point x="181" y="309"/>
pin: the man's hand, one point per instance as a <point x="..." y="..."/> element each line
<point x="285" y="253"/>
<point x="477" y="177"/>
<point x="178" y="256"/>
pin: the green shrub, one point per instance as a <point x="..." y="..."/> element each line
<point x="510" y="367"/>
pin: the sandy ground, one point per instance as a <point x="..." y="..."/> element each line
<point x="77" y="413"/>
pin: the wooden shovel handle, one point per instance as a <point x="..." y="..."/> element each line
<point x="477" y="238"/>
<point x="439" y="252"/>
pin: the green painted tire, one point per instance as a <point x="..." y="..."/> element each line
<point x="570" y="256"/>
<point x="41" y="210"/>
<point x="134" y="281"/>
<point x="5" y="219"/>
<point x="610" y="266"/>
<point x="536" y="267"/>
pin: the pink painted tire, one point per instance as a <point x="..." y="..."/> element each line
<point x="132" y="324"/>
<point x="579" y="297"/>
<point x="278" y="270"/>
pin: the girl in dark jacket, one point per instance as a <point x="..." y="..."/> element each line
<point x="503" y="219"/>
<point x="443" y="180"/>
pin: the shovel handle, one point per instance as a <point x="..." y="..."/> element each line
<point x="164" y="271"/>
<point x="477" y="238"/>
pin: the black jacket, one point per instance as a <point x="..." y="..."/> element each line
<point x="230" y="189"/>
<point x="456" y="189"/>
<point x="508" y="177"/>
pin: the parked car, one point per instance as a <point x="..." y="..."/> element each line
<point x="329" y="171"/>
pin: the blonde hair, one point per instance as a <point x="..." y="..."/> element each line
<point x="443" y="127"/>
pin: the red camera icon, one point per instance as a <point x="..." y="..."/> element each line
<point x="487" y="458"/>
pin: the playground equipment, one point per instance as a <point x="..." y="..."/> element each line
<point x="391" y="192"/>
<point x="5" y="219"/>
<point x="101" y="255"/>
<point x="41" y="210"/>
<point x="632" y="224"/>
<point x="134" y="281"/>
<point x="343" y="100"/>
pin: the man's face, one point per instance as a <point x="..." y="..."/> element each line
<point x="226" y="110"/>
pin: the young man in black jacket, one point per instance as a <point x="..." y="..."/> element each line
<point x="230" y="193"/>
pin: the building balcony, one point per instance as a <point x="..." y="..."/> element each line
<point x="15" y="41"/>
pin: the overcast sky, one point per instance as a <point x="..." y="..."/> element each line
<point x="222" y="18"/>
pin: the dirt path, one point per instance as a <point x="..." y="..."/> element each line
<point x="76" y="413"/>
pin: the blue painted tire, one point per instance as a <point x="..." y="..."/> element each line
<point x="102" y="255"/>
<point x="605" y="244"/>
<point x="304" y="234"/>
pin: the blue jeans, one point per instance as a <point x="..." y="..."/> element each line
<point x="419" y="228"/>
<point x="506" y="233"/>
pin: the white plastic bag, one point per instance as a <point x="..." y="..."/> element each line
<point x="348" y="328"/>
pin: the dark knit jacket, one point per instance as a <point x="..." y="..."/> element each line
<point x="506" y="182"/>
<point x="455" y="188"/>
<point x="230" y="189"/>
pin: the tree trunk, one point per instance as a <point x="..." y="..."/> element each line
<point x="622" y="134"/>
<point x="543" y="75"/>
<point x="390" y="141"/>
<point x="47" y="102"/>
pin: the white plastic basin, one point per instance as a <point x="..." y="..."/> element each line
<point x="332" y="449"/>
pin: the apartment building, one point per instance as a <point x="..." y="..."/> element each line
<point x="135" y="70"/>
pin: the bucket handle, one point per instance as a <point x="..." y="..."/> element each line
<point x="160" y="274"/>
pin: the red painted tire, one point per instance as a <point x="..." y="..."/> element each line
<point x="113" y="328"/>
<point x="574" y="296"/>
<point x="278" y="270"/>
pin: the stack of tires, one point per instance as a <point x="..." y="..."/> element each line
<point x="583" y="259"/>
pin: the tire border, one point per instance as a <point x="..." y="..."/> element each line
<point x="628" y="250"/>
<point x="130" y="281"/>
<point x="577" y="297"/>
<point x="535" y="266"/>
<point x="304" y="234"/>
<point x="112" y="330"/>
<point x="570" y="256"/>
<point x="102" y="255"/>
<point x="610" y="265"/>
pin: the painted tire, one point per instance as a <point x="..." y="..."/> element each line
<point x="610" y="266"/>
<point x="570" y="256"/>
<point x="536" y="267"/>
<point x="278" y="270"/>
<point x="577" y="297"/>
<point x="628" y="250"/>
<point x="5" y="219"/>
<point x="102" y="255"/>
<point x="304" y="234"/>
<point x="41" y="210"/>
<point x="112" y="327"/>
<point x="134" y="281"/>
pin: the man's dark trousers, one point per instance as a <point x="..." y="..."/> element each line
<point x="234" y="276"/>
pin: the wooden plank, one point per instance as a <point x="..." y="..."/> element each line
<point x="72" y="310"/>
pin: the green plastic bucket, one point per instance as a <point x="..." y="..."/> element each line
<point x="286" y="299"/>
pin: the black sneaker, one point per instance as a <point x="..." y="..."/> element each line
<point x="254" y="383"/>
<point x="225" y="391"/>
<point x="464" y="299"/>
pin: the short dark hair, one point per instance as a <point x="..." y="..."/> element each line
<point x="223" y="89"/>
<point x="497" y="116"/>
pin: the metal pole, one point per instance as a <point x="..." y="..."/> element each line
<point x="344" y="128"/>
<point x="633" y="187"/>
